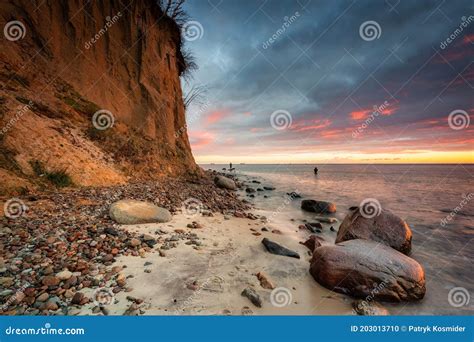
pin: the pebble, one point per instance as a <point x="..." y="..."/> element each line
<point x="64" y="275"/>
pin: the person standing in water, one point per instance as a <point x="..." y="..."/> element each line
<point x="230" y="166"/>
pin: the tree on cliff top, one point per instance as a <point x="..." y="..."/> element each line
<point x="174" y="10"/>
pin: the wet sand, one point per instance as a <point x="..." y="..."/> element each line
<point x="209" y="279"/>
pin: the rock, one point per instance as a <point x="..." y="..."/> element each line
<point x="367" y="269"/>
<point x="225" y="183"/>
<point x="265" y="282"/>
<point x="253" y="296"/>
<point x="293" y="195"/>
<point x="313" y="226"/>
<point x="250" y="190"/>
<point x="136" y="212"/>
<point x="385" y="228"/>
<point x="135" y="242"/>
<point x="326" y="219"/>
<point x="366" y="308"/>
<point x="277" y="249"/>
<point x="50" y="305"/>
<point x="77" y="298"/>
<point x="312" y="243"/>
<point x="270" y="188"/>
<point x="64" y="275"/>
<point x="111" y="231"/>
<point x="51" y="281"/>
<point x="319" y="207"/>
<point x="42" y="297"/>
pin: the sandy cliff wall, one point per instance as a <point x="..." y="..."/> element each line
<point x="66" y="60"/>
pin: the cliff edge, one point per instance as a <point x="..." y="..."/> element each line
<point x="90" y="91"/>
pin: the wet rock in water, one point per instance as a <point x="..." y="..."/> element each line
<point x="265" y="281"/>
<point x="277" y="249"/>
<point x="136" y="212"/>
<point x="332" y="229"/>
<point x="259" y="189"/>
<point x="250" y="190"/>
<point x="269" y="188"/>
<point x="256" y="181"/>
<point x="362" y="268"/>
<point x="386" y="228"/>
<point x="225" y="183"/>
<point x="264" y="229"/>
<point x="353" y="208"/>
<point x="319" y="207"/>
<point x="293" y="195"/>
<point x="313" y="226"/>
<point x="369" y="308"/>
<point x="252" y="296"/>
<point x="312" y="243"/>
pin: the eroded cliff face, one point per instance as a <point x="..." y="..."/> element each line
<point x="74" y="58"/>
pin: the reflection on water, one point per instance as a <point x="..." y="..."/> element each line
<point x="423" y="195"/>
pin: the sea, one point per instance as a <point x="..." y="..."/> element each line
<point x="437" y="202"/>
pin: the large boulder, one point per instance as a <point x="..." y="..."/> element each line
<point x="225" y="183"/>
<point x="136" y="212"/>
<point x="369" y="270"/>
<point x="385" y="228"/>
<point x="319" y="207"/>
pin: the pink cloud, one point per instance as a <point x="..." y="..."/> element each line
<point x="199" y="139"/>
<point x="216" y="116"/>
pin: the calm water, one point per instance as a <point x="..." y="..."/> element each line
<point x="421" y="194"/>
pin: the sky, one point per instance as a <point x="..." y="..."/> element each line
<point x="331" y="81"/>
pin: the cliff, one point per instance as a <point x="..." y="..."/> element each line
<point x="90" y="90"/>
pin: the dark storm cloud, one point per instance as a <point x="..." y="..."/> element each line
<point x="318" y="67"/>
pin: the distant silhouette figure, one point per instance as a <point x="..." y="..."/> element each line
<point x="230" y="165"/>
<point x="315" y="170"/>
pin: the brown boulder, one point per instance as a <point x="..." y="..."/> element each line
<point x="385" y="228"/>
<point x="319" y="207"/>
<point x="369" y="270"/>
<point x="312" y="243"/>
